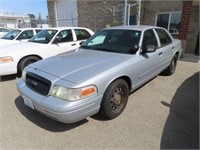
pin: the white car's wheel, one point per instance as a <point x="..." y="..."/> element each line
<point x="25" y="62"/>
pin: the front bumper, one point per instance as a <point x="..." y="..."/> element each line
<point x="60" y="110"/>
<point x="8" y="68"/>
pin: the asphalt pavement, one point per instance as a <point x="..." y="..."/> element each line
<point x="162" y="114"/>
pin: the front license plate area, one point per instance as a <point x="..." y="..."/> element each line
<point x="28" y="102"/>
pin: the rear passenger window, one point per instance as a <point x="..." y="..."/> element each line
<point x="81" y="34"/>
<point x="163" y="36"/>
<point x="37" y="31"/>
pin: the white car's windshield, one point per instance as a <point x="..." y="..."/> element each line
<point x="44" y="36"/>
<point x="11" y="35"/>
<point x="119" y="41"/>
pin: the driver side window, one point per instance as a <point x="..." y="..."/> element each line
<point x="64" y="36"/>
<point x="149" y="38"/>
<point x="25" y="35"/>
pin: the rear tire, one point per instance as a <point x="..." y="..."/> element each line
<point x="172" y="67"/>
<point x="115" y="99"/>
<point x="25" y="62"/>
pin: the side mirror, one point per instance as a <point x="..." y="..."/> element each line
<point x="81" y="42"/>
<point x="149" y="48"/>
<point x="12" y="37"/>
<point x="56" y="41"/>
<point x="134" y="49"/>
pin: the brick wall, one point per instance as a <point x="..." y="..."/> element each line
<point x="185" y="20"/>
<point x="193" y="30"/>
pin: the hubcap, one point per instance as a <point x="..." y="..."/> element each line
<point x="30" y="62"/>
<point x="173" y="64"/>
<point x="117" y="99"/>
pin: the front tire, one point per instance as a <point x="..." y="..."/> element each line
<point x="115" y="99"/>
<point x="25" y="62"/>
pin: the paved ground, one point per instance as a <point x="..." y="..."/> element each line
<point x="164" y="113"/>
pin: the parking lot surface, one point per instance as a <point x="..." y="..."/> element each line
<point x="162" y="114"/>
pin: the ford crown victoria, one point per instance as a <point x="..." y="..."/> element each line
<point x="99" y="76"/>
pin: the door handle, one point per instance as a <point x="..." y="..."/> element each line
<point x="173" y="47"/>
<point x="160" y="54"/>
<point x="73" y="44"/>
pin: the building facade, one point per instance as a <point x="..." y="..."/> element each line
<point x="14" y="21"/>
<point x="179" y="17"/>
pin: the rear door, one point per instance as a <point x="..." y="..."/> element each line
<point x="166" y="48"/>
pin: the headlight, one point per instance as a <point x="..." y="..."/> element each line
<point x="73" y="94"/>
<point x="6" y="59"/>
<point x="24" y="75"/>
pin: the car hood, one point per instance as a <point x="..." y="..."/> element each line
<point x="7" y="50"/>
<point x="6" y="42"/>
<point x="80" y="65"/>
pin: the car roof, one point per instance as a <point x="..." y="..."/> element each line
<point x="133" y="27"/>
<point x="64" y="28"/>
<point x="28" y="29"/>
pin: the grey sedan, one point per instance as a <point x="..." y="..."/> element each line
<point x="99" y="76"/>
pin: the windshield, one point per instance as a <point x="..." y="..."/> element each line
<point x="11" y="35"/>
<point x="44" y="36"/>
<point x="118" y="41"/>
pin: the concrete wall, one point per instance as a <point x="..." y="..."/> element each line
<point x="66" y="11"/>
<point x="51" y="13"/>
<point x="99" y="14"/>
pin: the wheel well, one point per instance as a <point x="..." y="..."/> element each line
<point x="127" y="79"/>
<point x="177" y="53"/>
<point x="26" y="57"/>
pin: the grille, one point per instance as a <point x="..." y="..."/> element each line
<point x="38" y="83"/>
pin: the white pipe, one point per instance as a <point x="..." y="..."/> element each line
<point x="128" y="21"/>
<point x="139" y="9"/>
<point x="125" y="12"/>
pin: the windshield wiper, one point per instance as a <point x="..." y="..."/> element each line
<point x="104" y="49"/>
<point x="86" y="47"/>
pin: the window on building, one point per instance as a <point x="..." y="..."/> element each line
<point x="170" y="21"/>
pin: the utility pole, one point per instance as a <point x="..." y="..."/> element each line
<point x="139" y="10"/>
<point x="125" y="12"/>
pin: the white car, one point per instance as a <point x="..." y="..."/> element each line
<point x="19" y="35"/>
<point x="4" y="31"/>
<point x="47" y="43"/>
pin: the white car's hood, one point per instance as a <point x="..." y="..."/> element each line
<point x="9" y="50"/>
<point x="81" y="65"/>
<point x="7" y="42"/>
